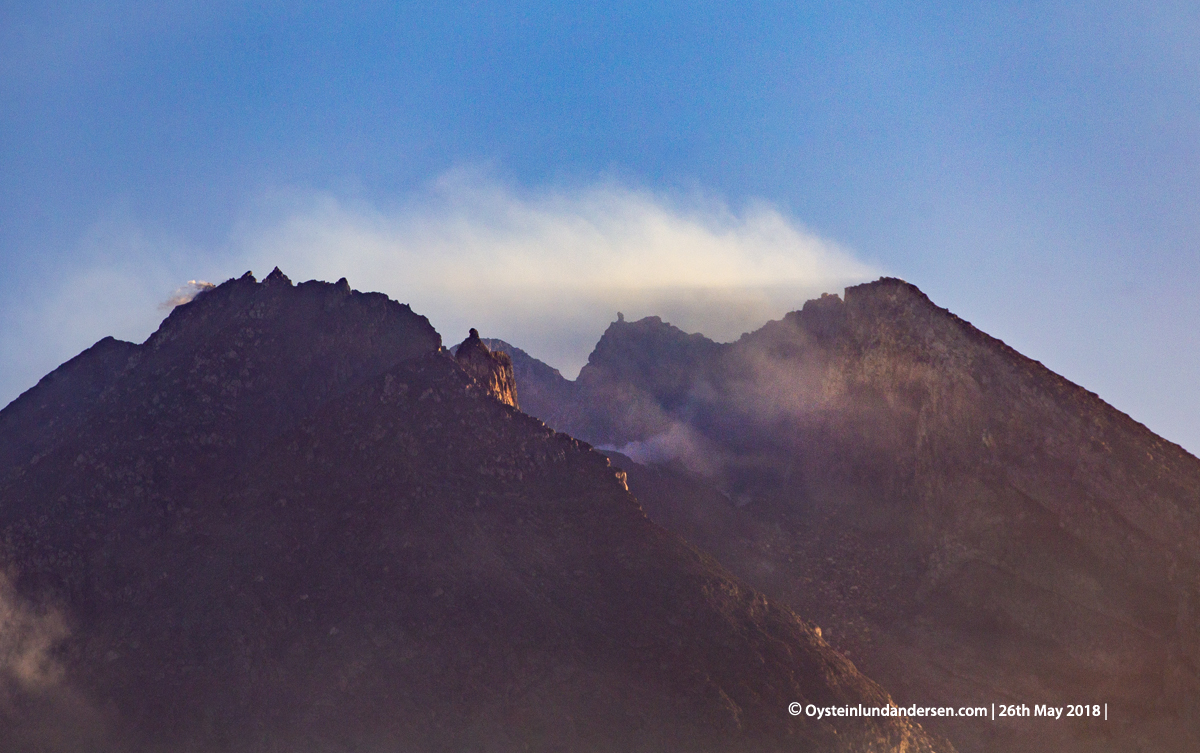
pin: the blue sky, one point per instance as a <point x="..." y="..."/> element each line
<point x="1031" y="166"/>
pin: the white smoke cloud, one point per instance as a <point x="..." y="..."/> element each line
<point x="40" y="709"/>
<point x="679" y="442"/>
<point x="472" y="235"/>
<point x="27" y="639"/>
<point x="185" y="293"/>
<point x="546" y="270"/>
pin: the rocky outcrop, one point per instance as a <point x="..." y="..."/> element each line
<point x="542" y="386"/>
<point x="966" y="524"/>
<point x="493" y="371"/>
<point x="290" y="521"/>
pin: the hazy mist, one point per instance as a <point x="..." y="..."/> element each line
<point x="546" y="270"/>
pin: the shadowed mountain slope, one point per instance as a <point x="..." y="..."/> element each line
<point x="291" y="521"/>
<point x="966" y="524"/>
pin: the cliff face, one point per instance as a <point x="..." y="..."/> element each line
<point x="542" y="386"/>
<point x="291" y="521"/>
<point x="963" y="522"/>
<point x="492" y="371"/>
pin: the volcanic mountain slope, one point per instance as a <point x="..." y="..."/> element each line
<point x="292" y="521"/>
<point x="966" y="524"/>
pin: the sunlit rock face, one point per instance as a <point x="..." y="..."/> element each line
<point x="291" y="521"/>
<point x="964" y="523"/>
<point x="492" y="371"/>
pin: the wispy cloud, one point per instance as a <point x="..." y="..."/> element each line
<point x="40" y="708"/>
<point x="468" y="233"/>
<point x="550" y="269"/>
<point x="547" y="270"/>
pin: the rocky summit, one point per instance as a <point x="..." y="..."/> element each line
<point x="292" y="521"/>
<point x="965" y="524"/>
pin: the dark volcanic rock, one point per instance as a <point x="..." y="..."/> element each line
<point x="291" y="521"/>
<point x="969" y="526"/>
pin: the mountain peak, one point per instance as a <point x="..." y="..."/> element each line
<point x="277" y="276"/>
<point x="885" y="286"/>
<point x="276" y="302"/>
<point x="626" y="344"/>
